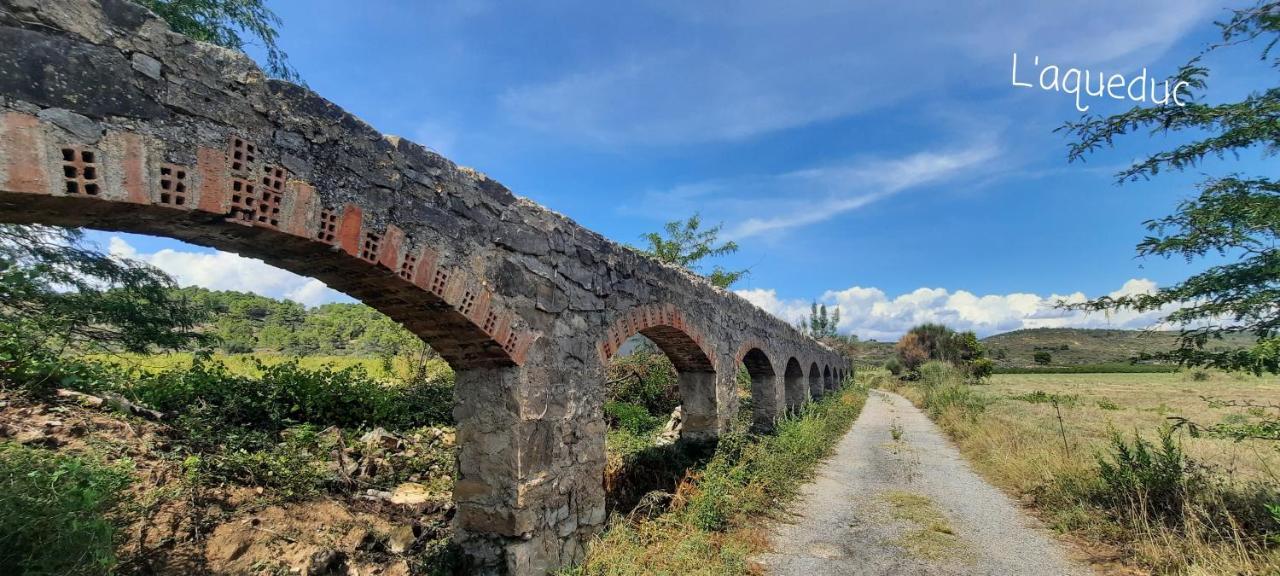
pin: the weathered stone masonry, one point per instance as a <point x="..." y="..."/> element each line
<point x="109" y="120"/>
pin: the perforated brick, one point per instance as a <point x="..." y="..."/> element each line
<point x="173" y="185"/>
<point x="80" y="172"/>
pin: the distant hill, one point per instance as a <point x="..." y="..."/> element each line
<point x="1075" y="346"/>
<point x="1066" y="346"/>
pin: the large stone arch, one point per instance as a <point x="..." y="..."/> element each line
<point x="795" y="388"/>
<point x="667" y="327"/>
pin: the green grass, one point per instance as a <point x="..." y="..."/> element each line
<point x="55" y="512"/>
<point x="712" y="526"/>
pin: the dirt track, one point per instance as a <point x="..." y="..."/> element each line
<point x="909" y="505"/>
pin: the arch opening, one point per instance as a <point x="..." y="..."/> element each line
<point x="764" y="392"/>
<point x="385" y="274"/>
<point x="794" y="385"/>
<point x="827" y="382"/>
<point x="815" y="381"/>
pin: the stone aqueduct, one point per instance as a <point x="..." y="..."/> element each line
<point x="109" y="120"/>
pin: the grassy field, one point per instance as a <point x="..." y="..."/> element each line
<point x="246" y="364"/>
<point x="1069" y="349"/>
<point x="1048" y="453"/>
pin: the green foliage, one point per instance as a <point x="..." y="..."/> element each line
<point x="945" y="390"/>
<point x="1157" y="479"/>
<point x="56" y="293"/>
<point x="1043" y="358"/>
<point x="981" y="369"/>
<point x="687" y="245"/>
<point x="222" y="22"/>
<point x="1107" y="404"/>
<point x="1256" y="422"/>
<point x="820" y="325"/>
<point x="645" y="378"/>
<point x="54" y="512"/>
<point x="286" y="394"/>
<point x="631" y="417"/>
<point x="1233" y="215"/>
<point x="936" y="342"/>
<point x="893" y="366"/>
<point x="750" y="475"/>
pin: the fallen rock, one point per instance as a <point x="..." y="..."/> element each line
<point x="401" y="539"/>
<point x="410" y="494"/>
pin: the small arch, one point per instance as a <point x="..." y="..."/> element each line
<point x="666" y="327"/>
<point x="827" y="382"/>
<point x="764" y="392"/>
<point x="794" y="385"/>
<point x="815" y="381"/>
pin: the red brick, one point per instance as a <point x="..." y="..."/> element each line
<point x="22" y="147"/>
<point x="349" y="225"/>
<point x="389" y="250"/>
<point x="301" y="210"/>
<point x="211" y="165"/>
<point x="132" y="167"/>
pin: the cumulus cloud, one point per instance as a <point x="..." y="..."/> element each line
<point x="225" y="271"/>
<point x="871" y="314"/>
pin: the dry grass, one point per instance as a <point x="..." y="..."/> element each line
<point x="930" y="536"/>
<point x="1017" y="444"/>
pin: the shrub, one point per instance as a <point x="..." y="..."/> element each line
<point x="1156" y="479"/>
<point x="631" y="417"/>
<point x="981" y="369"/>
<point x="1042" y="358"/>
<point x="54" y="512"/>
<point x="893" y="366"/>
<point x="645" y="377"/>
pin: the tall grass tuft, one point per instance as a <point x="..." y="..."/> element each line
<point x="55" y="512"/>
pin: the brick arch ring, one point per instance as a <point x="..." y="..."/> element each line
<point x="667" y="327"/>
<point x="235" y="198"/>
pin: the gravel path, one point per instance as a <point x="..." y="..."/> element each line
<point x="907" y="506"/>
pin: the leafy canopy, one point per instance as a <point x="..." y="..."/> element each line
<point x="685" y="243"/>
<point x="58" y="292"/>
<point x="1233" y="215"/>
<point x="225" y="22"/>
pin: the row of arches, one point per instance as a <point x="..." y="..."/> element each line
<point x="780" y="382"/>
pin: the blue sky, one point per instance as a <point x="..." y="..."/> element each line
<point x="872" y="155"/>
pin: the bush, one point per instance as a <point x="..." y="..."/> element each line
<point x="1042" y="358"/>
<point x="893" y="366"/>
<point x="1154" y="479"/>
<point x="631" y="417"/>
<point x="645" y="377"/>
<point x="287" y="394"/>
<point x="981" y="369"/>
<point x="54" y="512"/>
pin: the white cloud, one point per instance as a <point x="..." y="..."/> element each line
<point x="761" y="67"/>
<point x="225" y="271"/>
<point x="804" y="197"/>
<point x="871" y="314"/>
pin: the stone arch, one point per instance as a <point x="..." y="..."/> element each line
<point x="827" y="382"/>
<point x="796" y="391"/>
<point x="765" y="393"/>
<point x="234" y="199"/>
<point x="667" y="327"/>
<point x="815" y="381"/>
